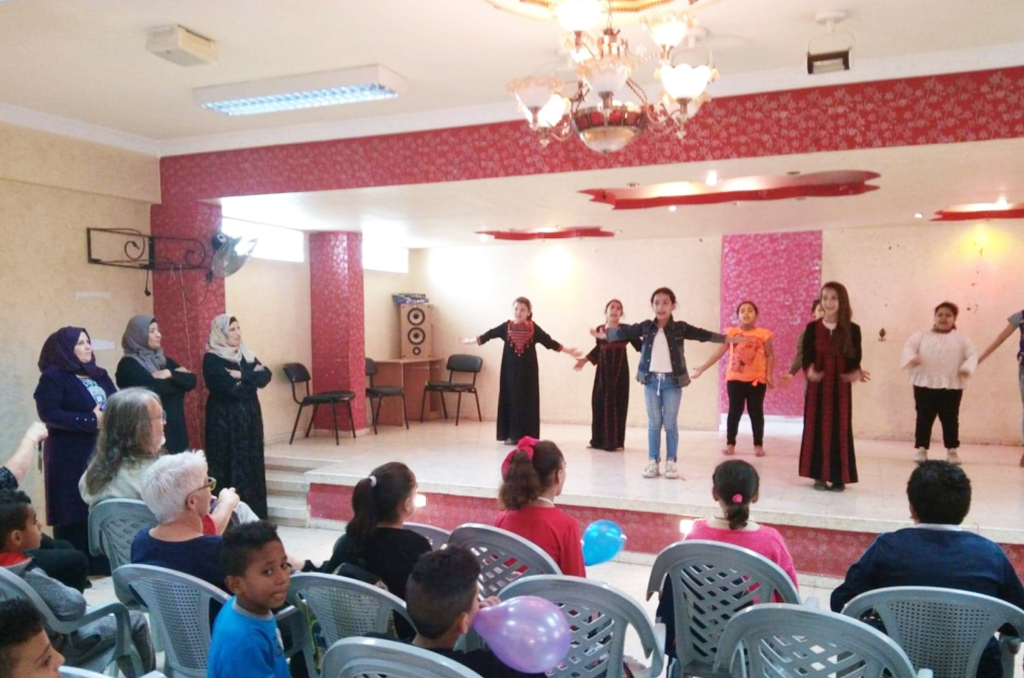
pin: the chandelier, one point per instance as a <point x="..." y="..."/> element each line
<point x="605" y="66"/>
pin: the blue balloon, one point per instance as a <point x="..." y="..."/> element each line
<point x="602" y="541"/>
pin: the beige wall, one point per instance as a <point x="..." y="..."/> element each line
<point x="382" y="340"/>
<point x="271" y="301"/>
<point x="51" y="190"/>
<point x="896" y="276"/>
<point x="569" y="283"/>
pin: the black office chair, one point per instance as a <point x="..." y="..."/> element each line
<point x="298" y="374"/>
<point x="380" y="393"/>
<point x="461" y="363"/>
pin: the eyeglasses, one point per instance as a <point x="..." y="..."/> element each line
<point x="162" y="417"/>
<point x="211" y="484"/>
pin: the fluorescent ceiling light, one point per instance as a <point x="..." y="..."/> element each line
<point x="313" y="90"/>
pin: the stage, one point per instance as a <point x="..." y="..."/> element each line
<point x="458" y="471"/>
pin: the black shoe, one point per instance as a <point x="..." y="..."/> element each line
<point x="838" y="487"/>
<point x="820" y="486"/>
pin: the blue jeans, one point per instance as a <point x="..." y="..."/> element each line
<point x="662" y="397"/>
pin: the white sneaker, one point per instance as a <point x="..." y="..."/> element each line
<point x="671" y="472"/>
<point x="652" y="469"/>
<point x="953" y="458"/>
<point x="921" y="456"/>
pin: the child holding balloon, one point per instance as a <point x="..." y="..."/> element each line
<point x="735" y="486"/>
<point x="442" y="598"/>
<point x="532" y="475"/>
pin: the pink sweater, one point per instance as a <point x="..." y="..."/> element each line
<point x="764" y="540"/>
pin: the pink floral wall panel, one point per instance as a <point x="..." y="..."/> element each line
<point x="183" y="302"/>
<point x="336" y="310"/>
<point x="781" y="273"/>
<point x="927" y="110"/>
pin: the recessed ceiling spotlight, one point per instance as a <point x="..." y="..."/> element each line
<point x="671" y="208"/>
<point x="918" y="215"/>
<point x="712" y="178"/>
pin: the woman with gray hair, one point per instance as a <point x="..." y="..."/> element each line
<point x="144" y="364"/>
<point x="130" y="441"/>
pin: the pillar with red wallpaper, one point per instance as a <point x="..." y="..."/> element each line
<point x="184" y="303"/>
<point x="338" y="333"/>
<point x="781" y="273"/>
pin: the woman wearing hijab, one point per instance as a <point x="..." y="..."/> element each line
<point x="70" y="398"/>
<point x="144" y="364"/>
<point x="234" y="421"/>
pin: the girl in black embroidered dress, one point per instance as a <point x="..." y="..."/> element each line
<point x="610" y="399"/>
<point x="519" y="394"/>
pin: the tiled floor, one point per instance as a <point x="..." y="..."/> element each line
<point x="466" y="460"/>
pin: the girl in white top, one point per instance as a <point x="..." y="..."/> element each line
<point x="939" y="361"/>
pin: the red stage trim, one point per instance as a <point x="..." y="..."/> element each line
<point x="980" y="211"/>
<point x="815" y="551"/>
<point x="741" y="189"/>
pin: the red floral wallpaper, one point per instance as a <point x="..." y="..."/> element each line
<point x="183" y="302"/>
<point x="336" y="309"/>
<point x="928" y="110"/>
<point x="781" y="273"/>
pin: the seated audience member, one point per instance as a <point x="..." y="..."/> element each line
<point x="735" y="486"/>
<point x="246" y="641"/>
<point x="442" y="600"/>
<point x="531" y="477"/>
<point x="936" y="552"/>
<point x="178" y="491"/>
<point x="131" y="439"/>
<point x="17" y="467"/>
<point x="25" y="649"/>
<point x="20" y="533"/>
<point x="376" y="539"/>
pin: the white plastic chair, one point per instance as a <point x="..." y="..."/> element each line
<point x="774" y="640"/>
<point x="343" y="607"/>
<point x="711" y="583"/>
<point x="72" y="672"/>
<point x="504" y="557"/>
<point x="113" y="524"/>
<point x="12" y="586"/>
<point x="599" y="615"/>
<point x="437" y="536"/>
<point x="943" y="629"/>
<point x="375" y="658"/>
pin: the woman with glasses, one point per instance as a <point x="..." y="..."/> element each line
<point x="144" y="364"/>
<point x="130" y="441"/>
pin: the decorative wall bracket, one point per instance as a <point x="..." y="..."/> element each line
<point x="129" y="248"/>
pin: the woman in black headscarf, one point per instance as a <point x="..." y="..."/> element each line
<point x="70" y="398"/>
<point x="144" y="364"/>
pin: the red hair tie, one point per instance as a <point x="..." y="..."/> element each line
<point x="525" y="445"/>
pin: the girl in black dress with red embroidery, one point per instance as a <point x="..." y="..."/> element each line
<point x="610" y="400"/>
<point x="519" y="394"/>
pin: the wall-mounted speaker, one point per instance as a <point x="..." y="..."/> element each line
<point x="415" y="324"/>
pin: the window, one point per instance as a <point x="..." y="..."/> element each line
<point x="380" y="256"/>
<point x="272" y="242"/>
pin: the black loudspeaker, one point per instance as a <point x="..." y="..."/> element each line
<point x="415" y="324"/>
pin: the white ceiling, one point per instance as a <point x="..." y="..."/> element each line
<point x="85" y="60"/>
<point x="914" y="179"/>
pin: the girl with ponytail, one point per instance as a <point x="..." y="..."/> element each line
<point x="532" y="475"/>
<point x="376" y="539"/>
<point x="735" y="486"/>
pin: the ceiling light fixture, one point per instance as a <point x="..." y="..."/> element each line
<point x="918" y="215"/>
<point x="313" y="90"/>
<point x="548" y="233"/>
<point x="620" y="110"/>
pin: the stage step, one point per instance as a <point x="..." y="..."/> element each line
<point x="287" y="483"/>
<point x="288" y="510"/>
<point x="287" y="488"/>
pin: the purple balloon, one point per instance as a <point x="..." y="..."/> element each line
<point x="528" y="634"/>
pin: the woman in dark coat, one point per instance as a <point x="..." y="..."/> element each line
<point x="831" y="362"/>
<point x="144" y="364"/>
<point x="234" y="421"/>
<point x="519" y="394"/>
<point x="610" y="399"/>
<point x="69" y="399"/>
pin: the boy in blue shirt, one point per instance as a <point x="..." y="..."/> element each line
<point x="246" y="641"/>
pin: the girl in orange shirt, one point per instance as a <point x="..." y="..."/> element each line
<point x="748" y="376"/>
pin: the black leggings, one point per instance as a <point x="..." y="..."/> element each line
<point x="743" y="393"/>
<point x="941" y="402"/>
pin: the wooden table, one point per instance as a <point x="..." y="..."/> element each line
<point x="411" y="374"/>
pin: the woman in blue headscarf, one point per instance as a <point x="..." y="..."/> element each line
<point x="70" y="398"/>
